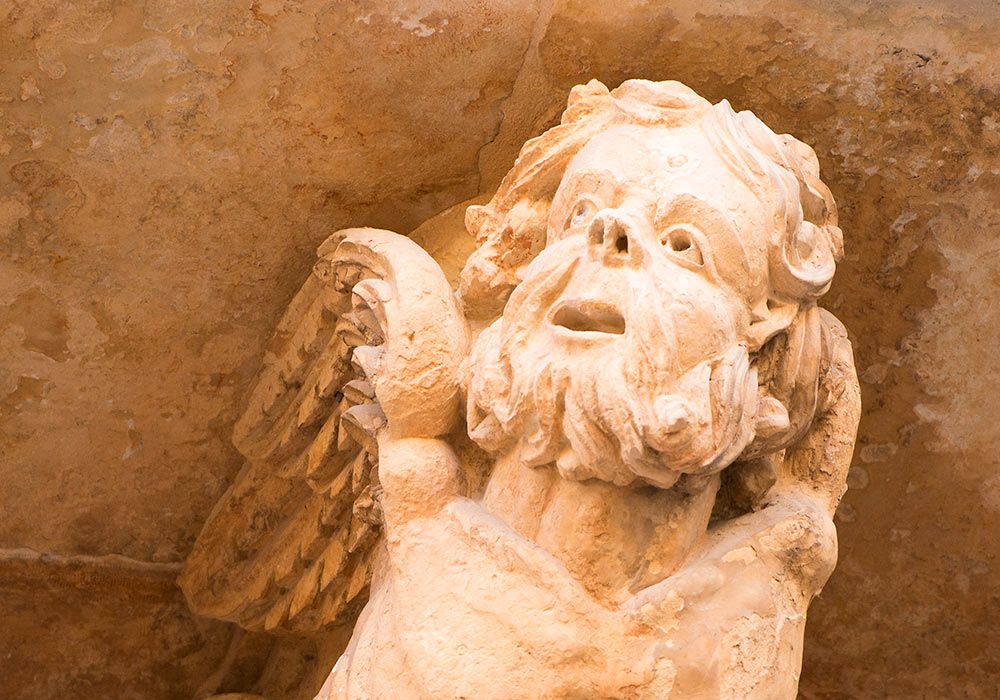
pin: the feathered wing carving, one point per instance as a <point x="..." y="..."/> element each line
<point x="291" y="544"/>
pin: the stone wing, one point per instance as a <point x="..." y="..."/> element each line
<point x="291" y="544"/>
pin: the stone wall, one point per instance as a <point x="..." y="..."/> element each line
<point x="168" y="167"/>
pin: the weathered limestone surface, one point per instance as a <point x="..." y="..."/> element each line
<point x="167" y="170"/>
<point x="634" y="349"/>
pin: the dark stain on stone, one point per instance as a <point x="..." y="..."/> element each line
<point x="53" y="194"/>
<point x="27" y="389"/>
<point x="46" y="329"/>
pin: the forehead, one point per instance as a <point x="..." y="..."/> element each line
<point x="667" y="162"/>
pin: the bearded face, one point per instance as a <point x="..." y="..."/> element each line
<point x="624" y="353"/>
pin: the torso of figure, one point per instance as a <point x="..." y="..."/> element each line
<point x="614" y="540"/>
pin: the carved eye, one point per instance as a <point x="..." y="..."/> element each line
<point x="681" y="242"/>
<point x="582" y="213"/>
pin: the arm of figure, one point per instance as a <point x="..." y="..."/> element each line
<point x="468" y="593"/>
<point x="753" y="577"/>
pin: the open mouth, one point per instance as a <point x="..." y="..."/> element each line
<point x="582" y="316"/>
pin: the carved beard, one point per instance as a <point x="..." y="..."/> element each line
<point x="620" y="412"/>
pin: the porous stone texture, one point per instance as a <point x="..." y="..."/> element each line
<point x="168" y="168"/>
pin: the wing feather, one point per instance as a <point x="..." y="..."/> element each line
<point x="291" y="544"/>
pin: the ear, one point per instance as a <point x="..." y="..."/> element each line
<point x="770" y="318"/>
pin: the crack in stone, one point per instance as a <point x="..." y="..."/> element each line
<point x="538" y="30"/>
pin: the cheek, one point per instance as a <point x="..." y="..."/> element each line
<point x="706" y="325"/>
<point x="562" y="244"/>
<point x="555" y="225"/>
<point x="557" y="231"/>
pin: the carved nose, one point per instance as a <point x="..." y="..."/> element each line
<point x="612" y="236"/>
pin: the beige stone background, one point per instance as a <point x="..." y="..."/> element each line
<point x="168" y="167"/>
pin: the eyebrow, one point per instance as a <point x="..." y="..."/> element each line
<point x="689" y="203"/>
<point x="595" y="176"/>
<point x="687" y="207"/>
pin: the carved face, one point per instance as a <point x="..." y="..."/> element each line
<point x="623" y="354"/>
<point x="641" y="206"/>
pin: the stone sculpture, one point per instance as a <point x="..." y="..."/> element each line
<point x="661" y="422"/>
